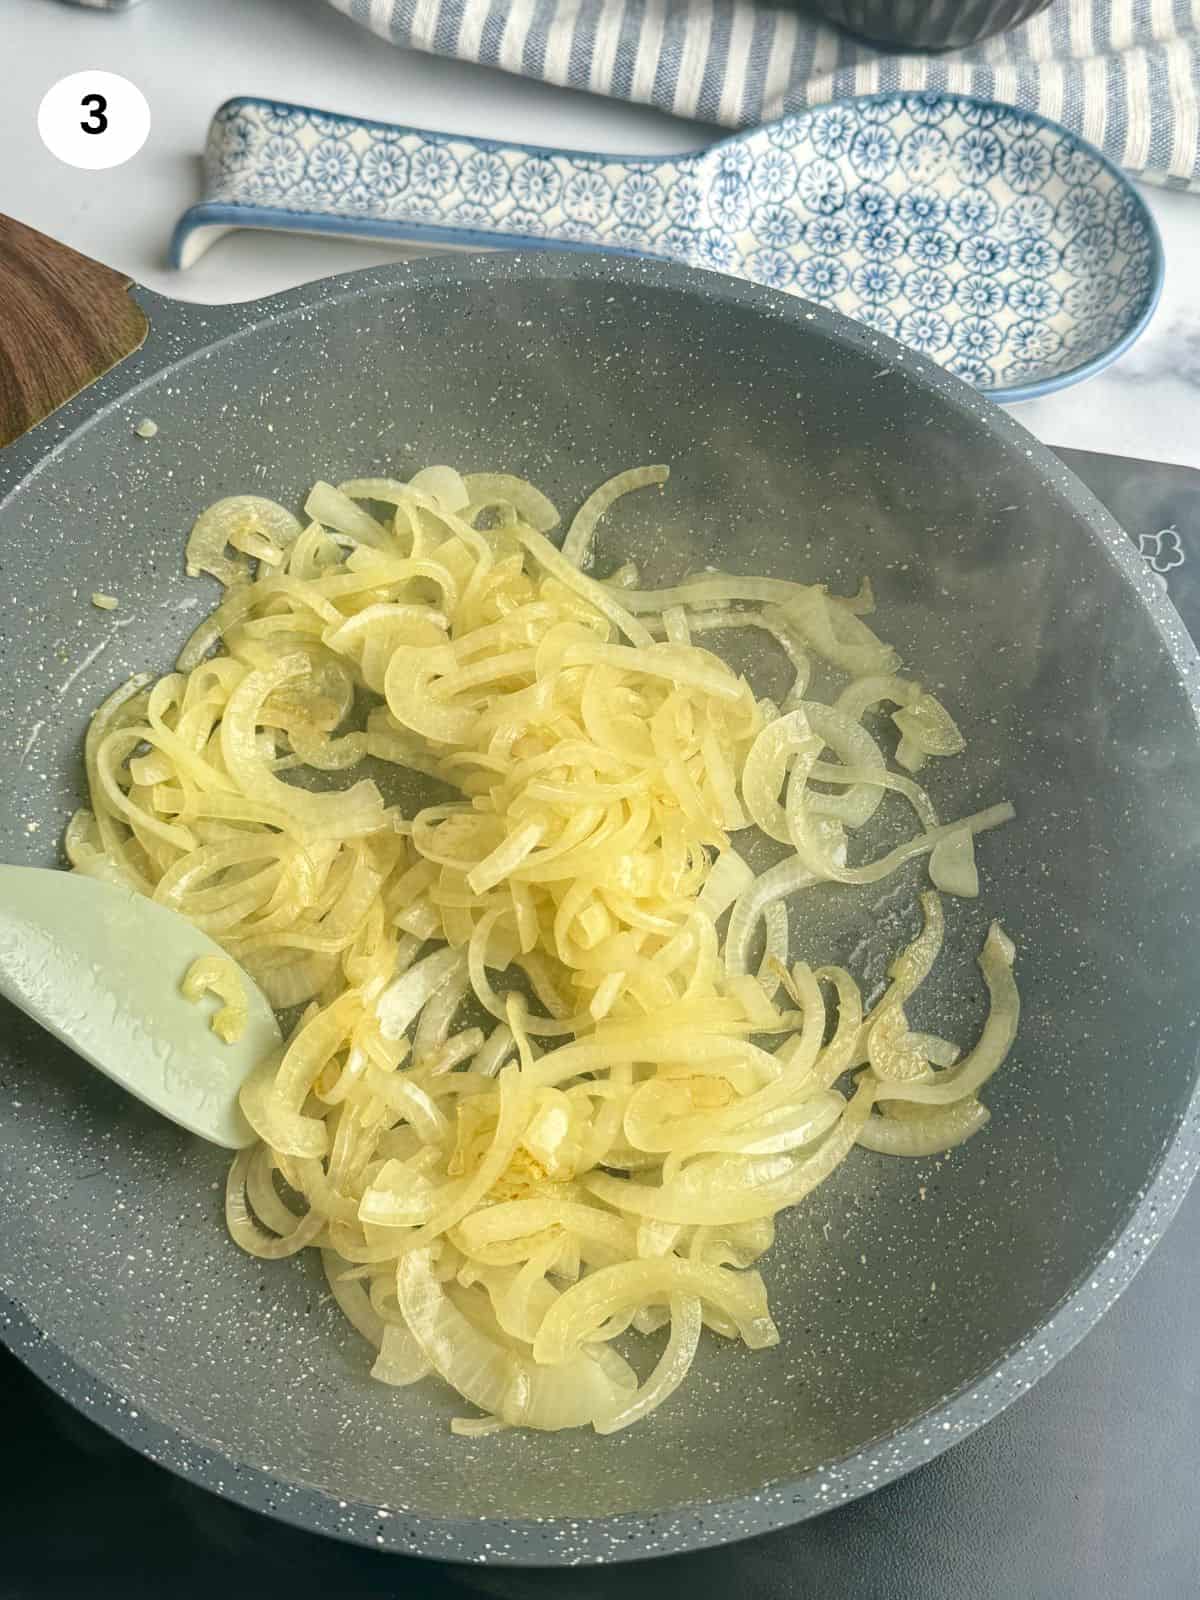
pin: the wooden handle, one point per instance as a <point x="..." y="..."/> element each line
<point x="64" y="322"/>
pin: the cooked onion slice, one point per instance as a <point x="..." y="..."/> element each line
<point x="220" y="976"/>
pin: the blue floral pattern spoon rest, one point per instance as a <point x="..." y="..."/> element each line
<point x="985" y="237"/>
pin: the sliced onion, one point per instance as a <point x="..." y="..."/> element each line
<point x="445" y="485"/>
<point x="399" y="1004"/>
<point x="925" y="725"/>
<point x="228" y="519"/>
<point x="280" y="1127"/>
<point x="220" y="976"/>
<point x="530" y="504"/>
<point x="582" y="1309"/>
<point x="999" y="1031"/>
<point x="336" y="510"/>
<point x="952" y="866"/>
<point x="352" y="1298"/>
<point x="401" y="1360"/>
<point x="481" y="1370"/>
<point x="545" y="553"/>
<point x="246" y="1232"/>
<point x="787" y="877"/>
<point x="399" y="1197"/>
<point x="766" y="765"/>
<point x="672" y="1368"/>
<point x="578" y="1392"/>
<point x="729" y="878"/>
<point x="854" y="747"/>
<point x="926" y="1136"/>
<point x="577" y="546"/>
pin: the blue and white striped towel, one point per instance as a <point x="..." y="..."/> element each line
<point x="1125" y="74"/>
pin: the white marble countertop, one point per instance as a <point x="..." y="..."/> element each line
<point x="186" y="59"/>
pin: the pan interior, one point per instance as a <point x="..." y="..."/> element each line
<point x="799" y="451"/>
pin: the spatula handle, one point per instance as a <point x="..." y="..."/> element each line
<point x="64" y="322"/>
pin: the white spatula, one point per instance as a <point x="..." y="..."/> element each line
<point x="100" y="968"/>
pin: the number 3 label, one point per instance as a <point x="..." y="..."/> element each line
<point x="94" y="120"/>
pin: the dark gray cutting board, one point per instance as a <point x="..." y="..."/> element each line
<point x="1087" y="1489"/>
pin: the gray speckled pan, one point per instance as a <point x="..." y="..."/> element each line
<point x="915" y="1299"/>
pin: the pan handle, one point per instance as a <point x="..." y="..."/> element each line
<point x="66" y="321"/>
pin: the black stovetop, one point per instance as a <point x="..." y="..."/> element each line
<point x="1087" y="1489"/>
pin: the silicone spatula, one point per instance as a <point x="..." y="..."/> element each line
<point x="100" y="968"/>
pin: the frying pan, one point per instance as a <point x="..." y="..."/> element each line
<point x="915" y="1299"/>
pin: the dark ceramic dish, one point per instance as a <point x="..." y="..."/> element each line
<point x="927" y="24"/>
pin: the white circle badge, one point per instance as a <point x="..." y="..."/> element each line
<point x="94" y="120"/>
